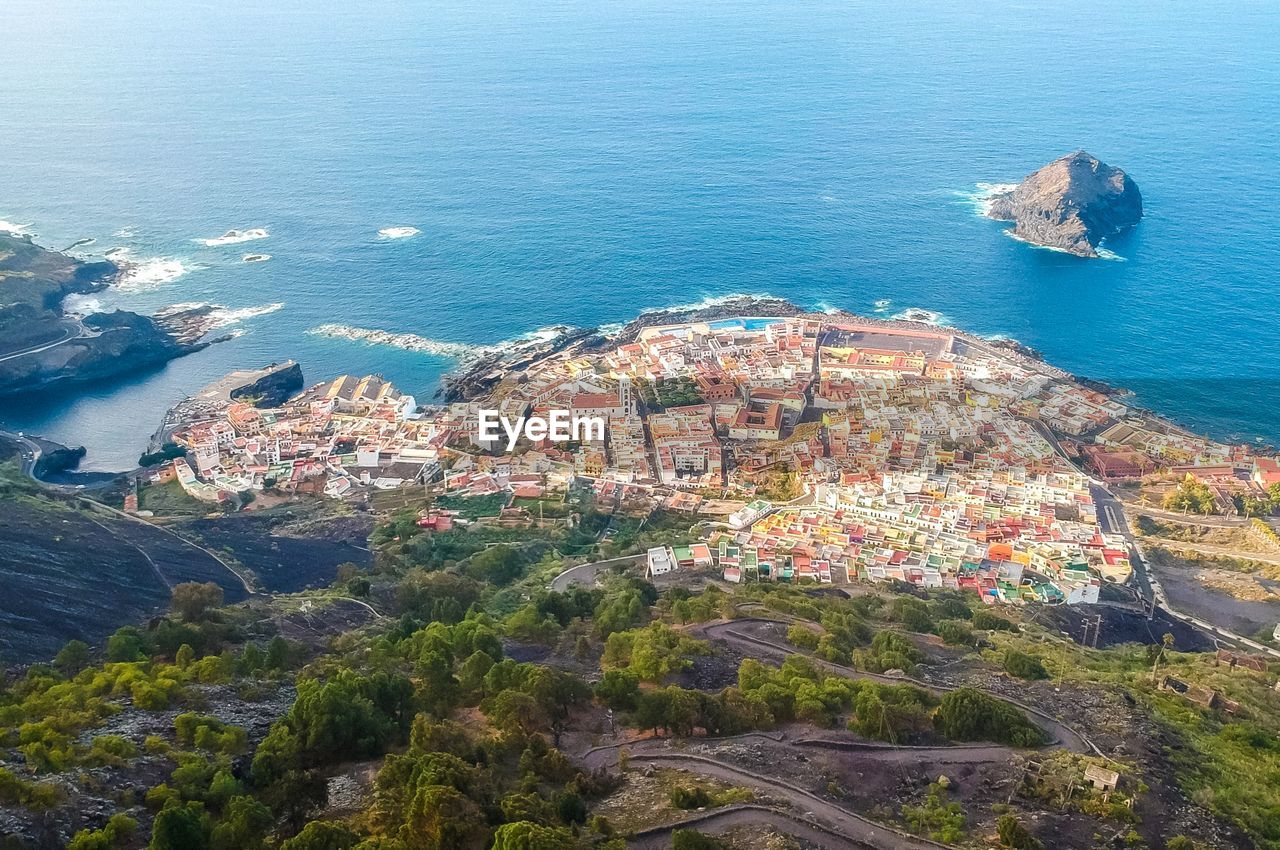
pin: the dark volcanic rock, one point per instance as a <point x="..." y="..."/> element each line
<point x="1073" y="203"/>
<point x="273" y="389"/>
<point x="41" y="347"/>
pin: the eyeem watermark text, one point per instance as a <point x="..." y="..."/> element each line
<point x="560" y="427"/>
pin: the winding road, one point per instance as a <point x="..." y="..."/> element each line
<point x="825" y="822"/>
<point x="585" y="574"/>
<point x="733" y="633"/>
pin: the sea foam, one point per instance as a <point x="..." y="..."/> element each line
<point x="921" y="315"/>
<point x="235" y="237"/>
<point x="404" y="341"/>
<point x="403" y="232"/>
<point x="81" y="305"/>
<point x="709" y="301"/>
<point x="150" y="274"/>
<point x="14" y="229"/>
<point x="982" y="195"/>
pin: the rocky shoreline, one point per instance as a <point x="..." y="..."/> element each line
<point x="43" y="347"/>
<point x="1072" y="205"/>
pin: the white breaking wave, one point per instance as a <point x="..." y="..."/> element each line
<point x="405" y="341"/>
<point x="461" y="351"/>
<point x="403" y="232"/>
<point x="219" y="315"/>
<point x="1104" y="254"/>
<point x="235" y="237"/>
<point x="824" y="307"/>
<point x="151" y="274"/>
<point x="124" y="233"/>
<point x="117" y="253"/>
<point x="983" y="194"/>
<point x="709" y="301"/>
<point x="882" y="305"/>
<point x="921" y="315"/>
<point x="14" y="229"/>
<point x="223" y="316"/>
<point x="81" y="305"/>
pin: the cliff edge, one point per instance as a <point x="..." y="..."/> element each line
<point x="1071" y="204"/>
<point x="41" y="346"/>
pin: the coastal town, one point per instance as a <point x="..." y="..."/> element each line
<point x="813" y="448"/>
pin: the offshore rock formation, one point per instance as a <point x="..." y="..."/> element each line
<point x="1071" y="204"/>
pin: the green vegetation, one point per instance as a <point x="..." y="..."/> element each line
<point x="967" y="714"/>
<point x="170" y="498"/>
<point x="474" y="507"/>
<point x="653" y="653"/>
<point x="1190" y="496"/>
<point x="937" y="818"/>
<point x="466" y="741"/>
<point x="169" y="451"/>
<point x="669" y="392"/>
<point x="1014" y="835"/>
<point x="1023" y="665"/>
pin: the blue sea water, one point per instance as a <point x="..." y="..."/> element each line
<point x="575" y="161"/>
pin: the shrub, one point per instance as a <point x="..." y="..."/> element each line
<point x="967" y="714"/>
<point x="689" y="798"/>
<point x="803" y="637"/>
<point x="989" y="622"/>
<point x="1023" y="665"/>
<point x="1014" y="835"/>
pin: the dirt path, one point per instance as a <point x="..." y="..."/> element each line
<point x="659" y="837"/>
<point x="1212" y="549"/>
<point x="733" y="633"/>
<point x="827" y="816"/>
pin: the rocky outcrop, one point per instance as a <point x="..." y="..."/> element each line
<point x="41" y="347"/>
<point x="1071" y="204"/>
<point x="272" y="389"/>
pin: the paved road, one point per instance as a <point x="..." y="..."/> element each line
<point x="1149" y="583"/>
<point x="70" y="332"/>
<point x="1188" y="519"/>
<point x="585" y="574"/>
<point x="28" y="452"/>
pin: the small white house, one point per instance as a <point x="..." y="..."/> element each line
<point x="661" y="561"/>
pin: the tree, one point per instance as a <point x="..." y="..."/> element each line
<point x="967" y="714"/>
<point x="512" y="710"/>
<point x="802" y="637"/>
<point x="691" y="839"/>
<point x="278" y="653"/>
<point x="524" y="835"/>
<point x="618" y="689"/>
<point x="72" y="658"/>
<point x="192" y="601"/>
<point x="1024" y="666"/>
<point x="1014" y="835"/>
<point x="245" y="823"/>
<point x="127" y="644"/>
<point x="499" y="565"/>
<point x="180" y="828"/>
<point x="322" y="835"/>
<point x="119" y="829"/>
<point x="440" y="818"/>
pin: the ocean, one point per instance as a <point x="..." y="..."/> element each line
<point x="577" y="161"/>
